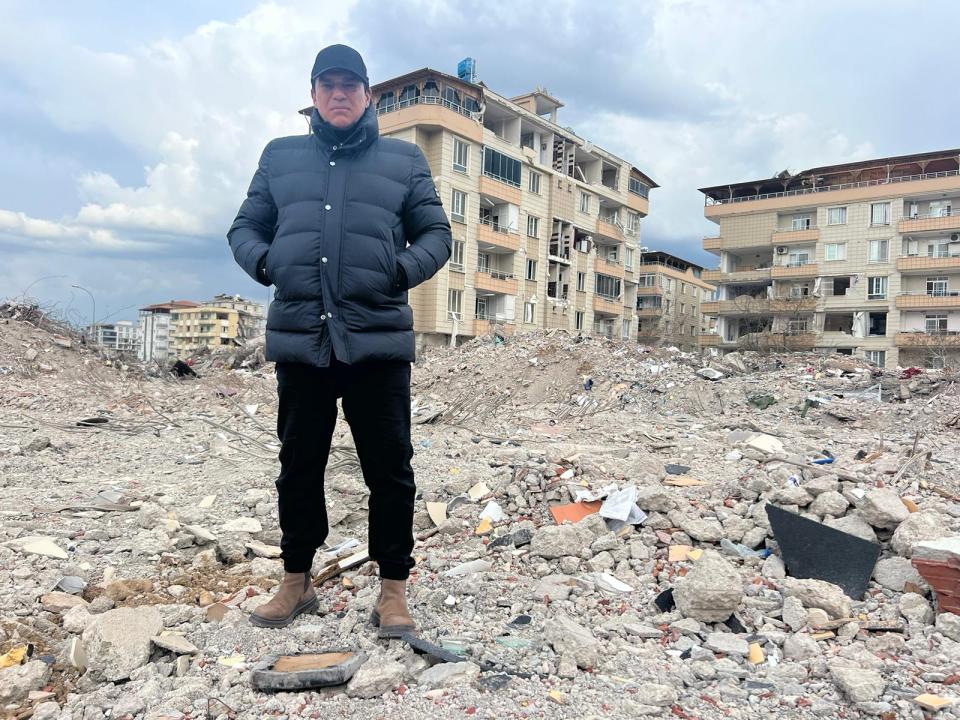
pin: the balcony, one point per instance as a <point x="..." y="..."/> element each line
<point x="795" y="270"/>
<point x="711" y="244"/>
<point x="610" y="306"/>
<point x="430" y="111"/>
<point x="917" y="301"/>
<point x="499" y="190"/>
<point x="737" y="276"/>
<point x="746" y="305"/>
<point x="931" y="222"/>
<point x="925" y="339"/>
<point x="709" y="340"/>
<point x="495" y="281"/>
<point x="925" y="263"/>
<point x="786" y="237"/>
<point x="649" y="290"/>
<point x="609" y="229"/>
<point x="649" y="312"/>
<point x="613" y="268"/>
<point x="493" y="233"/>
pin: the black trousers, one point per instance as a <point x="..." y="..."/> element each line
<point x="376" y="404"/>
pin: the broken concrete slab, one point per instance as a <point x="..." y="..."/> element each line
<point x="883" y="508"/>
<point x="711" y="591"/>
<point x="813" y="550"/>
<point x="303" y="671"/>
<point x="818" y="594"/>
<point x="118" y="641"/>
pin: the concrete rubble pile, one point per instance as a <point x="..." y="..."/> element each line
<point x="593" y="524"/>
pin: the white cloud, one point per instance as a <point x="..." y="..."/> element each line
<point x="40" y="234"/>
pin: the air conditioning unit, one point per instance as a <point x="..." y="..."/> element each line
<point x="781" y="249"/>
<point x="955" y="237"/>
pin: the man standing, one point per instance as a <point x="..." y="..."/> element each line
<point x="342" y="222"/>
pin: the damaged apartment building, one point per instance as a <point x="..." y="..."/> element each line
<point x="860" y="259"/>
<point x="546" y="225"/>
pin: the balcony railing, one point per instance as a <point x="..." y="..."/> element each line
<point x="496" y="226"/>
<point x="425" y="100"/>
<point x="830" y="188"/>
<point x="496" y="274"/>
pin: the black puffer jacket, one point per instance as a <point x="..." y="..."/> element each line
<point x="334" y="220"/>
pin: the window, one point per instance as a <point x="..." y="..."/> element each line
<point x="480" y="309"/>
<point x="935" y="362"/>
<point x="880" y="213"/>
<point x="528" y="312"/>
<point x="531" y="270"/>
<point x="936" y="323"/>
<point x="800" y="290"/>
<point x="607" y="287"/>
<point x="533" y="226"/>
<point x="877" y="323"/>
<point x="628" y="258"/>
<point x="837" y="216"/>
<point x="638" y="188"/>
<point x="584" y="202"/>
<point x="483" y="262"/>
<point x="835" y="251"/>
<point x="795" y="327"/>
<point x="878" y="251"/>
<point x="877" y="357"/>
<point x="938" y="249"/>
<point x="647" y="281"/>
<point x="876" y="288"/>
<point x="461" y="155"/>
<point x="798" y="258"/>
<point x="625" y="330"/>
<point x="455" y="303"/>
<point x="800" y="222"/>
<point x="533" y="182"/>
<point x="581" y="281"/>
<point x="456" y="255"/>
<point x="458" y="205"/>
<point x="937" y="286"/>
<point x="501" y="167"/>
<point x="633" y="221"/>
<point x="578" y="320"/>
<point x="683" y="308"/>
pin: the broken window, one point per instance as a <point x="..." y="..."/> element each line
<point x="578" y="320"/>
<point x="878" y="323"/>
<point x="838" y="323"/>
<point x="840" y="285"/>
<point x="451" y="96"/>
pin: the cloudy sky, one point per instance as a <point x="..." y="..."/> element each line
<point x="129" y="131"/>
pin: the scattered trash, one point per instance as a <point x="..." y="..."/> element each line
<point x="743" y="551"/>
<point x="15" y="656"/>
<point x="606" y="581"/>
<point x="755" y="656"/>
<point x="622" y="505"/>
<point x="181" y="369"/>
<point x="664" y="601"/>
<point x="812" y="550"/>
<point x="676" y="469"/>
<point x="484" y="528"/>
<point x="437" y="512"/>
<point x="938" y="562"/>
<point x="573" y="512"/>
<point x="682" y="481"/>
<point x="303" y="671"/>
<point x="71" y="584"/>
<point x="678" y="553"/>
<point x="92" y="421"/>
<point x="478" y="491"/>
<point x="493" y="512"/>
<point x="761" y="402"/>
<point x="932" y="702"/>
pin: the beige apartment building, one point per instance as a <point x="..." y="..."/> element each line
<point x="670" y="291"/>
<point x="204" y="327"/>
<point x="546" y="225"/>
<point x="861" y="259"/>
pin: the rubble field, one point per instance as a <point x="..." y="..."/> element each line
<point x="594" y="537"/>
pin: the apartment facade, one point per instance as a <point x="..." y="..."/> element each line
<point x="252" y="320"/>
<point x="154" y="330"/>
<point x="861" y="259"/>
<point x="121" y="335"/>
<point x="204" y="327"/>
<point x="546" y="226"/>
<point x="670" y="291"/>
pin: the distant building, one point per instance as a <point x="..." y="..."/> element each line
<point x="154" y="330"/>
<point x="252" y="320"/>
<point x="121" y="335"/>
<point x="669" y="292"/>
<point x="204" y="327"/>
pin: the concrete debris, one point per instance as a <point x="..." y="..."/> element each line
<point x="164" y="518"/>
<point x="711" y="591"/>
<point x="858" y="684"/>
<point x="883" y="509"/>
<point x="818" y="594"/>
<point x="17" y="682"/>
<point x="118" y="642"/>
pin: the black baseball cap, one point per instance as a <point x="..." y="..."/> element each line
<point x="339" y="57"/>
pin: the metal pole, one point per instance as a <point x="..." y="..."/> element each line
<point x="93" y="318"/>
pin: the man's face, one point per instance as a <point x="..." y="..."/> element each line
<point x="340" y="97"/>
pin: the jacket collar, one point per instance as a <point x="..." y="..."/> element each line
<point x="365" y="131"/>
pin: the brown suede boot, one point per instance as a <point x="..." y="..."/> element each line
<point x="294" y="595"/>
<point x="391" y="614"/>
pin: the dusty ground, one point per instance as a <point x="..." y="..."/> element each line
<point x="141" y="506"/>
